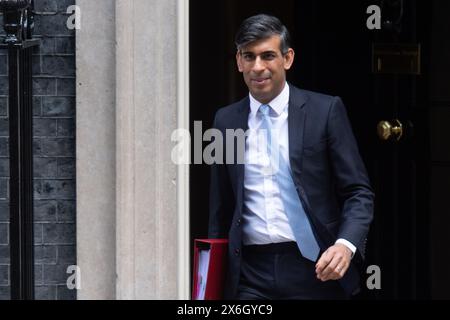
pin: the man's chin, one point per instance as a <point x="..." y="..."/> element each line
<point x="262" y="89"/>
<point x="261" y="93"/>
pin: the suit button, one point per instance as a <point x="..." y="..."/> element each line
<point x="239" y="221"/>
<point x="237" y="252"/>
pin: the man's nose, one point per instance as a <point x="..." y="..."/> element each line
<point x="258" y="66"/>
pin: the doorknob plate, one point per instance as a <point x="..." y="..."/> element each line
<point x="390" y="130"/>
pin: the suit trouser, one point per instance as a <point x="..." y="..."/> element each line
<point x="278" y="271"/>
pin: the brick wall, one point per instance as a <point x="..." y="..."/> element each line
<point x="54" y="154"/>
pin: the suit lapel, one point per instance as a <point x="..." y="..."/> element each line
<point x="296" y="128"/>
<point x="241" y="123"/>
<point x="242" y="114"/>
<point x="297" y="118"/>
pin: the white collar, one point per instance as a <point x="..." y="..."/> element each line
<point x="278" y="104"/>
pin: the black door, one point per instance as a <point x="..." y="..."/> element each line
<point x="335" y="55"/>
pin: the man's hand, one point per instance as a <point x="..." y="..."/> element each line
<point x="333" y="263"/>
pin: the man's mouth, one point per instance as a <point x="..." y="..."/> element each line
<point x="260" y="81"/>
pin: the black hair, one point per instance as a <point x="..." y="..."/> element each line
<point x="259" y="27"/>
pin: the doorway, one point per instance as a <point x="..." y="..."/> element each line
<point x="411" y="176"/>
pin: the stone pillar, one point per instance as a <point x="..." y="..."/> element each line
<point x="96" y="149"/>
<point x="134" y="208"/>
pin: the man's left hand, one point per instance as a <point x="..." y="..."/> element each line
<point x="333" y="263"/>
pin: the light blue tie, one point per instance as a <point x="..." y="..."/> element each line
<point x="298" y="220"/>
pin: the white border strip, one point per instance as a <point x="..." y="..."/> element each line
<point x="183" y="170"/>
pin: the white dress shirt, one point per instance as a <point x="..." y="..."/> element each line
<point x="265" y="220"/>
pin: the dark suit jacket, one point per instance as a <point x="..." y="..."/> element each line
<point x="329" y="175"/>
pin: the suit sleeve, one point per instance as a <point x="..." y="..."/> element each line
<point x="352" y="183"/>
<point x="221" y="198"/>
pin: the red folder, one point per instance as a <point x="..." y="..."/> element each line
<point x="210" y="268"/>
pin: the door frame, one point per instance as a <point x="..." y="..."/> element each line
<point x="183" y="188"/>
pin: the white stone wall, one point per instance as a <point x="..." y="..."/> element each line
<point x="132" y="208"/>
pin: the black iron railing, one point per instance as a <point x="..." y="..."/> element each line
<point x="18" y="25"/>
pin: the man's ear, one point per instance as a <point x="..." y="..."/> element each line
<point x="289" y="59"/>
<point x="238" y="61"/>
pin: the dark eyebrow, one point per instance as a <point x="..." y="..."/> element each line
<point x="270" y="51"/>
<point x="265" y="52"/>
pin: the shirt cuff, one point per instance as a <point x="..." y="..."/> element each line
<point x="348" y="244"/>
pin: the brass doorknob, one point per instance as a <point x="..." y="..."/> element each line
<point x="390" y="130"/>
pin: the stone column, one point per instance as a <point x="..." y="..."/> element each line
<point x="96" y="149"/>
<point x="144" y="195"/>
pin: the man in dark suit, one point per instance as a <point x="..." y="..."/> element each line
<point x="297" y="210"/>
